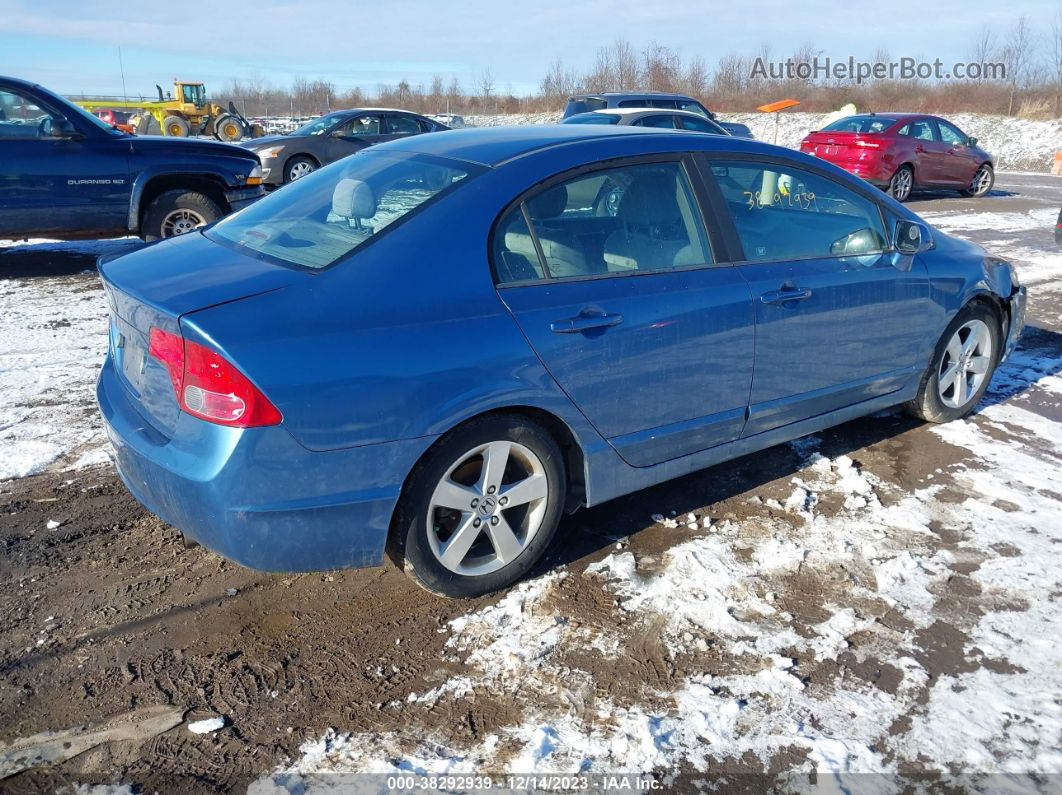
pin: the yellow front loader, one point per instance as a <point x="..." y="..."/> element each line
<point x="186" y="112"/>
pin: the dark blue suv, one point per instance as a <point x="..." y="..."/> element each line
<point x="66" y="174"/>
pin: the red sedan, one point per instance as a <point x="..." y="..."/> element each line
<point x="901" y="152"/>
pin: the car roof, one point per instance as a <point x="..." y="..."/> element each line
<point x="18" y="82"/>
<point x="658" y="94"/>
<point x="492" y="146"/>
<point x="637" y="111"/>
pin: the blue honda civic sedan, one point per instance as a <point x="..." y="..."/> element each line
<point x="437" y="346"/>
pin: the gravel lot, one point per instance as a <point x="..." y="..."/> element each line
<point x="874" y="604"/>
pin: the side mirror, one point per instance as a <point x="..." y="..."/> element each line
<point x="58" y="128"/>
<point x="971" y="141"/>
<point x="912" y="237"/>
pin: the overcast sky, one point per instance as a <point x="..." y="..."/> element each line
<point x="72" y="45"/>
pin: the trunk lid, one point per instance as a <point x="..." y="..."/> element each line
<point x="840" y="146"/>
<point x="156" y="285"/>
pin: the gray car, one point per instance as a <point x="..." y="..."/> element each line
<point x="607" y="100"/>
<point x="650" y="117"/>
<point x="331" y="137"/>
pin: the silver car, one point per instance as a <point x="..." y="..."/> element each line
<point x="649" y="117"/>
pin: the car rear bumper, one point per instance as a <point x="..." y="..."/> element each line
<point x="873" y="171"/>
<point x="256" y="495"/>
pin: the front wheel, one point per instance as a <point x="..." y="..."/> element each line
<point x="298" y="167"/>
<point x="178" y="212"/>
<point x="982" y="182"/>
<point x="901" y="183"/>
<point x="963" y="363"/>
<point x="229" y="128"/>
<point x="482" y="506"/>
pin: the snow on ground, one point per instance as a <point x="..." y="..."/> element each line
<point x="1014" y="143"/>
<point x="758" y="679"/>
<point x="53" y="334"/>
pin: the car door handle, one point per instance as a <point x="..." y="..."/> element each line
<point x="920" y="148"/>
<point x="579" y="323"/>
<point x="788" y="294"/>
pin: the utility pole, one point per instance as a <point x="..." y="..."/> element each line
<point x="121" y="68"/>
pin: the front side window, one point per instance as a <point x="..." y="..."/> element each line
<point x="635" y="218"/>
<point x="784" y="213"/>
<point x="318" y="126"/>
<point x="21" y="117"/>
<point x="663" y="121"/>
<point x="950" y="135"/>
<point x="321" y="218"/>
<point x="701" y="125"/>
<point x="365" y="124"/>
<point x="694" y="107"/>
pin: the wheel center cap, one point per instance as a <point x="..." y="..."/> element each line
<point x="487" y="506"/>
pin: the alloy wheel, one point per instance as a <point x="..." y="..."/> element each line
<point x="901" y="184"/>
<point x="965" y="364"/>
<point x="487" y="508"/>
<point x="181" y="222"/>
<point x="982" y="181"/>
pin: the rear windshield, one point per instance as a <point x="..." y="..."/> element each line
<point x="593" y="118"/>
<point x="582" y="105"/>
<point x="860" y="124"/>
<point x="323" y="217"/>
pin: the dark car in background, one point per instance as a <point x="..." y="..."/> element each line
<point x="901" y="152"/>
<point x="287" y="157"/>
<point x="650" y="117"/>
<point x="607" y="100"/>
<point x="66" y="174"/>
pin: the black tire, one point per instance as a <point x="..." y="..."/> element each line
<point x="158" y="218"/>
<point x="983" y="182"/>
<point x="927" y="404"/>
<point x="901" y="184"/>
<point x="175" y="127"/>
<point x="297" y="163"/>
<point x="411" y="547"/>
<point x="228" y="128"/>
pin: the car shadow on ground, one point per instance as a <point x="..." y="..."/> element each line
<point x="591" y="530"/>
<point x="933" y="195"/>
<point x="40" y="260"/>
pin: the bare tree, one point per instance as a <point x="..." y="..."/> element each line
<point x="1056" y="61"/>
<point x="486" y="86"/>
<point x="1017" y="54"/>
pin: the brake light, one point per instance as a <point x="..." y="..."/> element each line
<point x="867" y="144"/>
<point x="208" y="386"/>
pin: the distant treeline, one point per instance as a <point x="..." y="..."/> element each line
<point x="1031" y="88"/>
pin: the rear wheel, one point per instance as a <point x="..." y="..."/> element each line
<point x="982" y="182"/>
<point x="481" y="508"/>
<point x="178" y="212"/>
<point x="298" y="167"/>
<point x="175" y="126"/>
<point x="963" y="363"/>
<point x="901" y="183"/>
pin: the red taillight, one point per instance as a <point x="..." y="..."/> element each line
<point x="866" y="144"/>
<point x="208" y="386"/>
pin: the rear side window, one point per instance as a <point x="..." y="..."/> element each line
<point x="664" y="121"/>
<point x="583" y="105"/>
<point x="593" y="118"/>
<point x="321" y="218"/>
<point x="402" y="125"/>
<point x="614" y="221"/>
<point x="922" y="130"/>
<point x="784" y="213"/>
